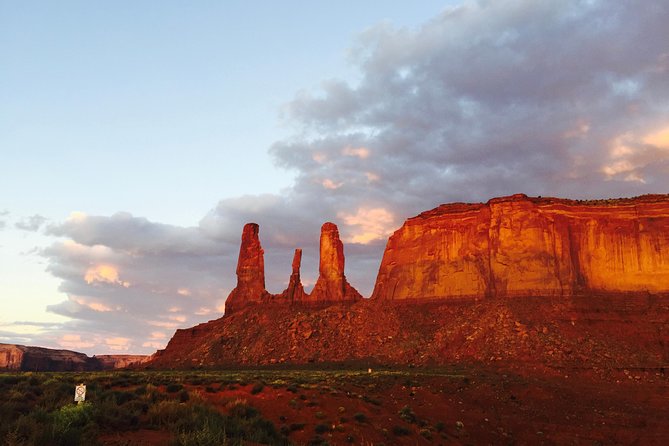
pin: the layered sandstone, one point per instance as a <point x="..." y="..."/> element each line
<point x="26" y="358"/>
<point x="521" y="246"/>
<point x="21" y="357"/>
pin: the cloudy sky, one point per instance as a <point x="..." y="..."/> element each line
<point x="137" y="139"/>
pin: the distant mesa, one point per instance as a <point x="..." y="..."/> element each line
<point x="24" y="358"/>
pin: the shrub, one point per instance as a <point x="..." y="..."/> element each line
<point x="360" y="417"/>
<point x="426" y="434"/>
<point x="257" y="388"/>
<point x="210" y="433"/>
<point x="72" y="423"/>
<point x="400" y="431"/>
<point x="173" y="388"/>
<point x="321" y="428"/>
<point x="243" y="410"/>
<point x="407" y="414"/>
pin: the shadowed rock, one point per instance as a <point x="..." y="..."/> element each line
<point x="295" y="290"/>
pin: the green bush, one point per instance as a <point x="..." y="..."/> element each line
<point x="407" y="414"/>
<point x="72" y="425"/>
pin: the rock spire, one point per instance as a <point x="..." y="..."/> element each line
<point x="331" y="285"/>
<point x="250" y="271"/>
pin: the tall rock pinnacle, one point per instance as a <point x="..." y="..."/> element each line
<point x="295" y="291"/>
<point x="331" y="284"/>
<point x="250" y="271"/>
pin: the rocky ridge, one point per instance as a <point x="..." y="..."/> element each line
<point x="516" y="279"/>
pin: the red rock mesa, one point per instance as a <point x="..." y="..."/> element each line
<point x="520" y="246"/>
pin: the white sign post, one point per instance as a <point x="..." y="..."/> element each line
<point x="80" y="393"/>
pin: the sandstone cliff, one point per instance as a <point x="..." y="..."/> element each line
<point x="24" y="358"/>
<point x="520" y="246"/>
<point x="516" y="280"/>
<point x="109" y="362"/>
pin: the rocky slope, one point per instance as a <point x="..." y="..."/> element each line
<point x="585" y="331"/>
<point x="24" y="358"/>
<point x="517" y="280"/>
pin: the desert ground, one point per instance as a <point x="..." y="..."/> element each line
<point x="452" y="405"/>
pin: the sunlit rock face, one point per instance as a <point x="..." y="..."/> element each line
<point x="250" y="271"/>
<point x="11" y="357"/>
<point x="332" y="284"/>
<point x="520" y="246"/>
<point x="21" y="357"/>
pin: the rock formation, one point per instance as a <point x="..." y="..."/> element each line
<point x="520" y="246"/>
<point x="250" y="271"/>
<point x="24" y="358"/>
<point x="295" y="290"/>
<point x="109" y="362"/>
<point x="332" y="285"/>
<point x="559" y="282"/>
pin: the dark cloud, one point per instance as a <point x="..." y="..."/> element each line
<point x="33" y="223"/>
<point x="490" y="98"/>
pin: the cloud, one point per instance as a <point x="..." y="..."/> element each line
<point x="33" y="223"/>
<point x="486" y="99"/>
<point x="123" y="277"/>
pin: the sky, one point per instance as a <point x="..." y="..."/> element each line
<point x="137" y="138"/>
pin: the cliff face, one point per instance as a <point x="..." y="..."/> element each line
<point x="21" y="357"/>
<point x="516" y="279"/>
<point x="11" y="357"/>
<point x="24" y="358"/>
<point x="520" y="246"/>
<point x="109" y="362"/>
